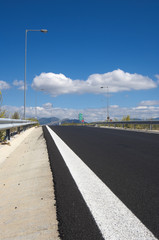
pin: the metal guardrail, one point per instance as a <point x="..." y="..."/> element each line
<point x="134" y="122"/>
<point x="7" y="124"/>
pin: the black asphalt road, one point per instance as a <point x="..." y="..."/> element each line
<point x="75" y="219"/>
<point x="127" y="162"/>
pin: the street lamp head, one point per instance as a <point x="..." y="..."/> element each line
<point x="44" y="30"/>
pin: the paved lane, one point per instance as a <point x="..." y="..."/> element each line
<point x="75" y="219"/>
<point x="127" y="162"/>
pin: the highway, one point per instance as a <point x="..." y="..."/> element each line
<point x="125" y="162"/>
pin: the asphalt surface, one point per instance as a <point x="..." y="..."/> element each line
<point x="127" y="162"/>
<point x="75" y="219"/>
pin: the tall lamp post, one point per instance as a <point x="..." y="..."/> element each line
<point x="108" y="118"/>
<point x="26" y="31"/>
<point x="36" y="110"/>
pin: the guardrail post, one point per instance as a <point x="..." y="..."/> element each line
<point x="18" y="130"/>
<point x="7" y="124"/>
<point x="8" y="134"/>
<point x="150" y="126"/>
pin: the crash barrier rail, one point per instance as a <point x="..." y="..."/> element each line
<point x="150" y="123"/>
<point x="7" y="124"/>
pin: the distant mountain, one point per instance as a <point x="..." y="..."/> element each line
<point x="135" y="119"/>
<point x="138" y="119"/>
<point x="56" y="121"/>
<point x="48" y="121"/>
<point x="70" y="121"/>
<point x="156" y="118"/>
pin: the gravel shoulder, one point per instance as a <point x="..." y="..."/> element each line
<point x="27" y="205"/>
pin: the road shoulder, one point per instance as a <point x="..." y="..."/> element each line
<point x="27" y="202"/>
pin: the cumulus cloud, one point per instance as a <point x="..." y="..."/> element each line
<point x="149" y="103"/>
<point x="47" y="105"/>
<point x="89" y="114"/>
<point x="117" y="80"/>
<point x="4" y="85"/>
<point x="157" y="76"/>
<point x="19" y="84"/>
<point x="114" y="106"/>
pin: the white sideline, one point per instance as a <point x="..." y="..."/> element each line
<point x="113" y="218"/>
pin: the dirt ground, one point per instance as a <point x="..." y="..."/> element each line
<point x="27" y="205"/>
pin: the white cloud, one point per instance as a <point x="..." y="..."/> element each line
<point x="19" y="84"/>
<point x="141" y="107"/>
<point x="4" y="85"/>
<point x="117" y="80"/>
<point x="90" y="115"/>
<point x="114" y="106"/>
<point x="157" y="76"/>
<point x="47" y="105"/>
<point x="149" y="103"/>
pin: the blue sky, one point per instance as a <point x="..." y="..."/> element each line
<point x="89" y="44"/>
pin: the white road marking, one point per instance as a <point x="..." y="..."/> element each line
<point x="114" y="219"/>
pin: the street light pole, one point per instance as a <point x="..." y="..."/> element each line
<point x="107" y="103"/>
<point x="26" y="31"/>
<point x="25" y="72"/>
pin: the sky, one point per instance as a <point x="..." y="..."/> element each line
<point x="89" y="44"/>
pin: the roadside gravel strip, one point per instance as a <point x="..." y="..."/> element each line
<point x="27" y="205"/>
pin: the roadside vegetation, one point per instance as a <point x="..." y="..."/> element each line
<point x="131" y="126"/>
<point x="118" y="125"/>
<point x="15" y="115"/>
<point x="34" y="120"/>
<point x="2" y="115"/>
